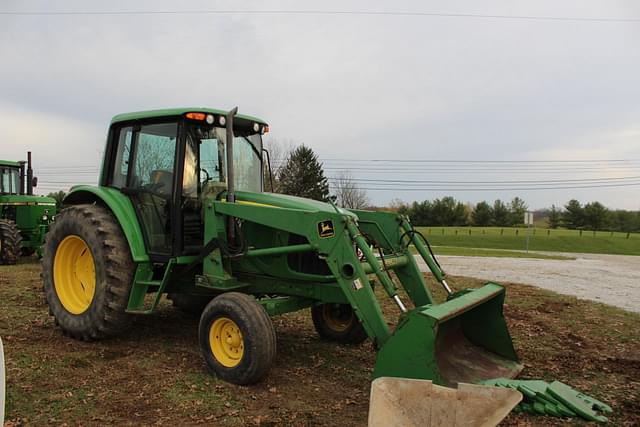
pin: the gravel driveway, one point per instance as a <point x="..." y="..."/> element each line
<point x="610" y="279"/>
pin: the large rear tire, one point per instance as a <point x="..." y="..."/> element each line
<point x="237" y="338"/>
<point x="338" y="322"/>
<point x="10" y="240"/>
<point x="87" y="272"/>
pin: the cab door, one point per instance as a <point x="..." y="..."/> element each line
<point x="144" y="168"/>
<point x="203" y="175"/>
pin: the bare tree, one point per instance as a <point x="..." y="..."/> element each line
<point x="279" y="152"/>
<point x="349" y="195"/>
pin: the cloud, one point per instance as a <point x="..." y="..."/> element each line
<point x="348" y="86"/>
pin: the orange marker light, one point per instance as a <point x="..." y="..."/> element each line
<point x="195" y="116"/>
<point x="265" y="129"/>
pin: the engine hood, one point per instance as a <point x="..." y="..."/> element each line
<point x="290" y="202"/>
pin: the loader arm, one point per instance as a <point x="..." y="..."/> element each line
<point x="431" y="341"/>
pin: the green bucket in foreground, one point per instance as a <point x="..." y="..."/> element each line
<point x="464" y="340"/>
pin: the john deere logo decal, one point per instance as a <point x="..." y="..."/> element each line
<point x="325" y="229"/>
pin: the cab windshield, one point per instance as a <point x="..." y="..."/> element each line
<point x="205" y="169"/>
<point x="9" y="180"/>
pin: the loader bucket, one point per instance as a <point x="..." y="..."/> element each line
<point x="464" y="340"/>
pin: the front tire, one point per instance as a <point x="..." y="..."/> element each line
<point x="237" y="338"/>
<point x="10" y="240"/>
<point x="338" y="322"/>
<point x="87" y="272"/>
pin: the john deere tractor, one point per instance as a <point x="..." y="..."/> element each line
<point x="24" y="217"/>
<point x="179" y="210"/>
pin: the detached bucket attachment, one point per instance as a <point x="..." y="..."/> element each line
<point x="420" y="403"/>
<point x="464" y="340"/>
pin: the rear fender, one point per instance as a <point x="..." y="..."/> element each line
<point x="122" y="209"/>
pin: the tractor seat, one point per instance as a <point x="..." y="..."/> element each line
<point x="164" y="178"/>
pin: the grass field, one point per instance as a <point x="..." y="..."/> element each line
<point x="539" y="239"/>
<point x="153" y="374"/>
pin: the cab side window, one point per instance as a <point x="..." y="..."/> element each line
<point x="123" y="153"/>
<point x="153" y="158"/>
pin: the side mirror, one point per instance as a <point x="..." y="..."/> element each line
<point x="34" y="181"/>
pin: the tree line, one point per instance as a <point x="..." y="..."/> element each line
<point x="593" y="216"/>
<point x="447" y="211"/>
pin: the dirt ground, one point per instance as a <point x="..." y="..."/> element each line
<point x="610" y="279"/>
<point x="154" y="374"/>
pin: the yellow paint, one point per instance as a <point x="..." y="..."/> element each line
<point x="226" y="342"/>
<point x="248" y="203"/>
<point x="74" y="274"/>
<point x="335" y="318"/>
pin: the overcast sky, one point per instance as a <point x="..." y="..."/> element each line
<point x="352" y="87"/>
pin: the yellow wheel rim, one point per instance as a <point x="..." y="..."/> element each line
<point x="337" y="317"/>
<point x="74" y="274"/>
<point x="226" y="342"/>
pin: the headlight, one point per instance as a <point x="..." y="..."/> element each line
<point x="222" y="121"/>
<point x="45" y="217"/>
<point x="210" y="119"/>
<point x="256" y="127"/>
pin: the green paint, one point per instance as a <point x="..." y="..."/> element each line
<point x="422" y="342"/>
<point x="556" y="399"/>
<point x="143" y="284"/>
<point x="281" y="305"/>
<point x="31" y="214"/>
<point x="121" y="207"/>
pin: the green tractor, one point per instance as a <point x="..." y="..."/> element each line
<point x="179" y="210"/>
<point x="24" y="217"/>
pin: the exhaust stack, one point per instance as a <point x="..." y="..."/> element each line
<point x="21" y="189"/>
<point x="29" y="175"/>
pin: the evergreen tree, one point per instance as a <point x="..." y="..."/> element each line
<point x="500" y="214"/>
<point x="554" y="217"/>
<point x="481" y="215"/>
<point x="448" y="212"/>
<point x="626" y="221"/>
<point x="517" y="209"/>
<point x="596" y="216"/>
<point x="573" y="217"/>
<point x="302" y="175"/>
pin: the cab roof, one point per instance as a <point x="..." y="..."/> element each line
<point x="9" y="163"/>
<point x="138" y="115"/>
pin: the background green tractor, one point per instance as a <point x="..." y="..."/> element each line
<point x="24" y="217"/>
<point x="180" y="211"/>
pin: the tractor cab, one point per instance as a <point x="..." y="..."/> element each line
<point x="168" y="161"/>
<point x="10" y="178"/>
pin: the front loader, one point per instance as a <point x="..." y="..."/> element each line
<point x="180" y="211"/>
